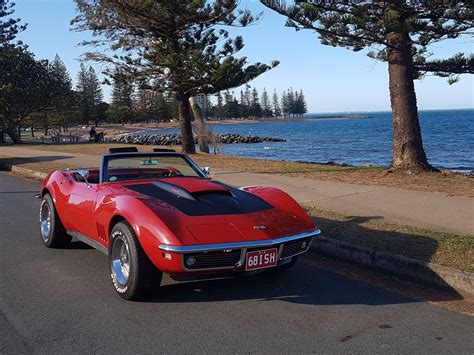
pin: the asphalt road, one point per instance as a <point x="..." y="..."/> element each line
<point x="62" y="301"/>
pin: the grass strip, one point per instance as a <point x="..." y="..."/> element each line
<point x="452" y="250"/>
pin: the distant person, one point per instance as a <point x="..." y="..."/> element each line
<point x="99" y="137"/>
<point x="93" y="134"/>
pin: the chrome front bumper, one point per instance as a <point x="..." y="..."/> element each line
<point x="243" y="246"/>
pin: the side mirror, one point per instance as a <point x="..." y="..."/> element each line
<point x="85" y="175"/>
<point x="206" y="170"/>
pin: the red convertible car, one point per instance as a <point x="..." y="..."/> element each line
<point x="158" y="212"/>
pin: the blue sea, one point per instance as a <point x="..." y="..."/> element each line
<point x="448" y="138"/>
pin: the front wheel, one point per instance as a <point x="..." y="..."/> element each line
<point x="53" y="233"/>
<point x="132" y="273"/>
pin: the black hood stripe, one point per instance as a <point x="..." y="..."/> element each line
<point x="203" y="203"/>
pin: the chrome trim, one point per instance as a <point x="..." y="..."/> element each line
<point x="120" y="260"/>
<point x="236" y="245"/>
<point x="85" y="239"/>
<point x="45" y="220"/>
<point x="300" y="252"/>
<point x="209" y="268"/>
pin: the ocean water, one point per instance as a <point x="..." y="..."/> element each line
<point x="448" y="138"/>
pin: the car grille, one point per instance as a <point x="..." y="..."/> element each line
<point x="213" y="259"/>
<point x="294" y="247"/>
<point x="228" y="259"/>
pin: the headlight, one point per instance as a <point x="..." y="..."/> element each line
<point x="190" y="261"/>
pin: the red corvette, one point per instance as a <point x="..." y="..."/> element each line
<point x="158" y="212"/>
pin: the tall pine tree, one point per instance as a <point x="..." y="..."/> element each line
<point x="265" y="103"/>
<point x="62" y="95"/>
<point x="180" y="43"/>
<point x="398" y="32"/>
<point x="9" y="26"/>
<point x="121" y="108"/>
<point x="276" y="104"/>
<point x="89" y="93"/>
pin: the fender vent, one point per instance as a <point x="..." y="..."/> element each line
<point x="101" y="232"/>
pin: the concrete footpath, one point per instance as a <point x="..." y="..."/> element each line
<point x="429" y="210"/>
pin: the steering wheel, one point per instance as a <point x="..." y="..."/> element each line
<point x="172" y="172"/>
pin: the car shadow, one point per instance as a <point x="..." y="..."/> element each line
<point x="305" y="283"/>
<point x="78" y="245"/>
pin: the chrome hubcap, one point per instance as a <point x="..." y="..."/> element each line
<point x="45" y="221"/>
<point x="120" y="260"/>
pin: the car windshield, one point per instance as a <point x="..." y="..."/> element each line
<point x="148" y="166"/>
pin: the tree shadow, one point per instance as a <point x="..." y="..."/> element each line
<point x="384" y="244"/>
<point x="352" y="230"/>
<point x="7" y="163"/>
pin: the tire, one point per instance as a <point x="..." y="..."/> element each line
<point x="133" y="275"/>
<point x="288" y="265"/>
<point x="53" y="234"/>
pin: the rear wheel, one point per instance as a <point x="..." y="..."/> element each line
<point x="53" y="233"/>
<point x="133" y="274"/>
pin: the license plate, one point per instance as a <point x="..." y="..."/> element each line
<point x="261" y="259"/>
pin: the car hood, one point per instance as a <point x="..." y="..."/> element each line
<point x="213" y="212"/>
<point x="202" y="197"/>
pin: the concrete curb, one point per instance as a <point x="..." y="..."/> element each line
<point x="428" y="273"/>
<point x="23" y="171"/>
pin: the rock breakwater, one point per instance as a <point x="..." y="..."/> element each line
<point x="175" y="139"/>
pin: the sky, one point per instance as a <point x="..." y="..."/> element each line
<point x="332" y="79"/>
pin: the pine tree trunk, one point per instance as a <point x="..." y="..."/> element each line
<point x="201" y="125"/>
<point x="408" y="153"/>
<point x="184" y="117"/>
<point x="12" y="132"/>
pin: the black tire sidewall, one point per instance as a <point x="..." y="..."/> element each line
<point x="123" y="231"/>
<point x="51" y="239"/>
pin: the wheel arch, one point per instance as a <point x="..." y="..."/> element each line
<point x="114" y="220"/>
<point x="45" y="191"/>
<point x="149" y="228"/>
<point x="50" y="184"/>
